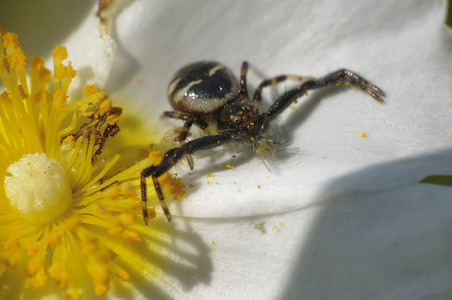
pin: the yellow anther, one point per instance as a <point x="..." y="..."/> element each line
<point x="116" y="229"/>
<point x="54" y="238"/>
<point x="113" y="119"/>
<point x="90" y="246"/>
<point x="40" y="279"/>
<point x="127" y="219"/>
<point x="38" y="72"/>
<point x="106" y="105"/>
<point x="90" y="90"/>
<point x="33" y="266"/>
<point x="11" y="41"/>
<point x="99" y="273"/>
<point x="61" y="277"/>
<point x="73" y="222"/>
<point x="60" y="98"/>
<point x="59" y="53"/>
<point x="18" y="59"/>
<point x="32" y="248"/>
<point x="133" y="236"/>
<point x="122" y="273"/>
<point x="11" y="244"/>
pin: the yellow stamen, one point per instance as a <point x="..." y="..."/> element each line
<point x="68" y="211"/>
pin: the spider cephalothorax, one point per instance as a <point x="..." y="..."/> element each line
<point x="207" y="92"/>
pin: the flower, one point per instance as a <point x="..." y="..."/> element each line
<point x="345" y="217"/>
<point x="66" y="209"/>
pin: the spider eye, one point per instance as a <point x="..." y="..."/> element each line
<point x="235" y="120"/>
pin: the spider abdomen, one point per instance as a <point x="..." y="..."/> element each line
<point x="202" y="88"/>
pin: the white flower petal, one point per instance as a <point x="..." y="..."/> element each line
<point x="353" y="216"/>
<point x="92" y="53"/>
<point x="401" y="48"/>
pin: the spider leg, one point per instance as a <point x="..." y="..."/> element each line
<point x="170" y="158"/>
<point x="189" y="120"/>
<point x="243" y="91"/>
<point x="257" y="98"/>
<point x="335" y="78"/>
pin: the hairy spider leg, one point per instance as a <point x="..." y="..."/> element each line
<point x="257" y="98"/>
<point x="243" y="91"/>
<point x="335" y="78"/>
<point x="189" y="120"/>
<point x="170" y="158"/>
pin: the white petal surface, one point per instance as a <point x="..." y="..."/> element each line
<point x="344" y="218"/>
<point x="401" y="48"/>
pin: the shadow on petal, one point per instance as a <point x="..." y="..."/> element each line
<point x="379" y="234"/>
<point x="43" y="24"/>
<point x="171" y="256"/>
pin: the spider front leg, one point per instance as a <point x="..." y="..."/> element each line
<point x="189" y="120"/>
<point x="335" y="78"/>
<point x="351" y="77"/>
<point x="170" y="158"/>
<point x="158" y="189"/>
<point x="257" y="98"/>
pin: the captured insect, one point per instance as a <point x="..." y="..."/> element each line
<point x="207" y="93"/>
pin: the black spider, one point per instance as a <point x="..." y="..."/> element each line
<point x="206" y="91"/>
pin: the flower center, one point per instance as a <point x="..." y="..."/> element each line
<point x="38" y="188"/>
